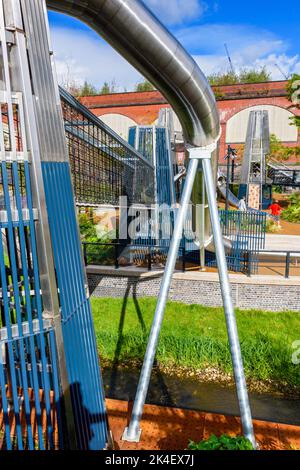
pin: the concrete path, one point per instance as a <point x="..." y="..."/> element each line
<point x="283" y="242"/>
<point x="172" y="428"/>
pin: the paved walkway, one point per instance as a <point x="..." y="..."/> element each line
<point x="283" y="242"/>
<point x="172" y="428"/>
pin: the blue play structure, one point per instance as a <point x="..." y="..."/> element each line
<point x="154" y="144"/>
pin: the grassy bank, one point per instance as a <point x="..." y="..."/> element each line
<point x="195" y="337"/>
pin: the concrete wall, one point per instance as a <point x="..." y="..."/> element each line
<point x="262" y="292"/>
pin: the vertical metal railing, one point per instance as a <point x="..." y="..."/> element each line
<point x="30" y="406"/>
<point x="245" y="232"/>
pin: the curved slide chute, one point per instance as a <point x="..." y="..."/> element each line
<point x="221" y="185"/>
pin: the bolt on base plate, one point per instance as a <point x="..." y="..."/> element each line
<point x="128" y="438"/>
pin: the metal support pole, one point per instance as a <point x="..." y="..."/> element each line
<point x="287" y="265"/>
<point x="227" y="180"/>
<point x="133" y="432"/>
<point x="235" y="348"/>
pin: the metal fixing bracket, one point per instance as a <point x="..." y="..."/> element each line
<point x="200" y="153"/>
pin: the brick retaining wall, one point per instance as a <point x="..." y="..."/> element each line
<point x="264" y="292"/>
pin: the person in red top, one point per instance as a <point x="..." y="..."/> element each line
<point x="275" y="212"/>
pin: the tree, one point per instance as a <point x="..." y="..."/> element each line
<point x="243" y="76"/>
<point x="105" y="90"/>
<point x="279" y="152"/>
<point x="293" y="89"/>
<point x="144" y="86"/>
<point x="88" y="89"/>
<point x="220" y="78"/>
<point x="108" y="88"/>
<point x="254" y="76"/>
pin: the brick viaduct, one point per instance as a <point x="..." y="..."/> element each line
<point x="143" y="107"/>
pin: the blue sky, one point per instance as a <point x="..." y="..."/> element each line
<point x="258" y="33"/>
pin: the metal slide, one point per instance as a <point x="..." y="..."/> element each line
<point x="130" y="27"/>
<point x="221" y="184"/>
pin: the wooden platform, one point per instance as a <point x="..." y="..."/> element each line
<point x="172" y="428"/>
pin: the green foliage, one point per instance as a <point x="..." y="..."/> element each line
<point x="272" y="226"/>
<point x="105" y="90"/>
<point x="292" y="213"/>
<point x="279" y="152"/>
<point x="293" y="89"/>
<point x="254" y="76"/>
<point x="88" y="89"/>
<point x="108" y="88"/>
<point x="195" y="337"/>
<point x="144" y="86"/>
<point x="243" y="76"/>
<point x="224" y="442"/>
<point x="219" y="79"/>
<point x="88" y="233"/>
<point x="87" y="228"/>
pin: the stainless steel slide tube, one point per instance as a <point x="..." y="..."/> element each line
<point x="233" y="336"/>
<point x="132" y="433"/>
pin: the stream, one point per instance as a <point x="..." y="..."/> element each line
<point x="190" y="393"/>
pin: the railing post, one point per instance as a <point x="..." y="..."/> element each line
<point x="287" y="264"/>
<point x="183" y="256"/>
<point x="85" y="254"/>
<point x="249" y="267"/>
<point x="149" y="259"/>
<point x="117" y="256"/>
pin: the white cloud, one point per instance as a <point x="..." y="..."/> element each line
<point x="174" y="12"/>
<point x="81" y="56"/>
<point x="249" y="47"/>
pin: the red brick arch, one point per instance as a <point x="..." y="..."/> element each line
<point x="143" y="108"/>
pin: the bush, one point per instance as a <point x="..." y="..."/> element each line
<point x="95" y="254"/>
<point x="272" y="227"/>
<point x="292" y="213"/>
<point x="224" y="442"/>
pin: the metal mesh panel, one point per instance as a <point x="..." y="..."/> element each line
<point x="103" y="166"/>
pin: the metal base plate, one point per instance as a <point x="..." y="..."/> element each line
<point x="136" y="438"/>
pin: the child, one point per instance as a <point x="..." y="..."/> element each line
<point x="275" y="211"/>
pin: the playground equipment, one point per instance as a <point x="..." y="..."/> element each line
<point x="140" y="37"/>
<point x="155" y="145"/>
<point x="103" y="166"/>
<point x="282" y="175"/>
<point x="253" y="179"/>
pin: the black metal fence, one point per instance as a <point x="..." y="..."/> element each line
<point x="151" y="256"/>
<point x="118" y="254"/>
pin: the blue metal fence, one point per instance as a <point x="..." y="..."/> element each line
<point x="244" y="233"/>
<point x="77" y="324"/>
<point x="29" y="379"/>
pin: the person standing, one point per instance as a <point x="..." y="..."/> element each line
<point x="275" y="210"/>
<point x="242" y="205"/>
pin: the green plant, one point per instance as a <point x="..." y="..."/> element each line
<point x="292" y="213"/>
<point x="281" y="152"/>
<point x="97" y="254"/>
<point x="293" y="89"/>
<point x="243" y="76"/>
<point x="144" y="86"/>
<point x="195" y="337"/>
<point x="224" y="442"/>
<point x="272" y="226"/>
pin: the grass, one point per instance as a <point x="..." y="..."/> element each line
<point x="195" y="337"/>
